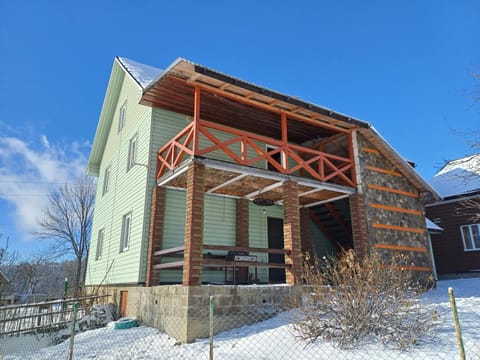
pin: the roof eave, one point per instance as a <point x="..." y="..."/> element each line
<point x="106" y="116"/>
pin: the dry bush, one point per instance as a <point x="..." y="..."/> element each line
<point x="351" y="301"/>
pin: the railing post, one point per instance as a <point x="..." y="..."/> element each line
<point x="196" y="119"/>
<point x="72" y="337"/>
<point x="458" y="331"/>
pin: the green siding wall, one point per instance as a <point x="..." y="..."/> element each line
<point x="126" y="194"/>
<point x="219" y="229"/>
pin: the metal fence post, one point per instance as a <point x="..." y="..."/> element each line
<point x="72" y="337"/>
<point x="458" y="331"/>
<point x="212" y="310"/>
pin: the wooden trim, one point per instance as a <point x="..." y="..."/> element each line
<point x="398" y="228"/>
<point x="173" y="250"/>
<point x="395" y="191"/>
<point x="246" y="249"/>
<point x="407" y="267"/>
<point x="400" y="247"/>
<point x="414" y="268"/>
<point x="394" y="208"/>
<point x="371" y="151"/>
<point x="384" y="171"/>
<point x="169" y="265"/>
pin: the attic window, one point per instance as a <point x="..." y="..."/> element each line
<point x="122" y="117"/>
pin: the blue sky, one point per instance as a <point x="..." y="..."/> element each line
<point x="404" y="66"/>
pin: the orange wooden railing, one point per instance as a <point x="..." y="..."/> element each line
<point x="296" y="159"/>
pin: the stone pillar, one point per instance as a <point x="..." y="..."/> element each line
<point x="192" y="266"/>
<point x="155" y="235"/>
<point x="292" y="232"/>
<point x="359" y="225"/>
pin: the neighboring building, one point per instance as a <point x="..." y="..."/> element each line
<point x="194" y="164"/>
<point x="457" y="248"/>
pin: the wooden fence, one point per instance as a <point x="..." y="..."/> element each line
<point x="44" y="317"/>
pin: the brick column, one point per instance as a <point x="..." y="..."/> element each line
<point x="242" y="223"/>
<point x="242" y="238"/>
<point x="192" y="267"/>
<point x="306" y="232"/>
<point x="155" y="235"/>
<point x="359" y="225"/>
<point x="291" y="232"/>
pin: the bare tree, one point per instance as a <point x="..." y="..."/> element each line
<point x="67" y="219"/>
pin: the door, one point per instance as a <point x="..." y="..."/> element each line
<point x="275" y="241"/>
<point x="123" y="303"/>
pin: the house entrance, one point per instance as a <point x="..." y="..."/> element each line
<point x="275" y="241"/>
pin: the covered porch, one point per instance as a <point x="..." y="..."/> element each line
<point x="251" y="145"/>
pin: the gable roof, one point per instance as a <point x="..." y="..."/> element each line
<point x="151" y="79"/>
<point x="458" y="177"/>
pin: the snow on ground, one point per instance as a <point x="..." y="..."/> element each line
<point x="274" y="338"/>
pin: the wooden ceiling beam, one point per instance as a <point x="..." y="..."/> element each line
<point x="318" y="121"/>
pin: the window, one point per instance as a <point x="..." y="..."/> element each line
<point x="122" y="117"/>
<point x="101" y="236"/>
<point x="126" y="228"/>
<point x="471" y="237"/>
<point x="106" y="180"/>
<point x="132" y="152"/>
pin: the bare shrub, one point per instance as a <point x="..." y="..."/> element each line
<point x="351" y="301"/>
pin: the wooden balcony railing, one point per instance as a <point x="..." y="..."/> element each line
<point x="295" y="159"/>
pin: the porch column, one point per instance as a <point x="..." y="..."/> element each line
<point x="292" y="232"/>
<point x="242" y="223"/>
<point x="155" y="235"/>
<point x="242" y="238"/>
<point x="192" y="266"/>
<point x="359" y="225"/>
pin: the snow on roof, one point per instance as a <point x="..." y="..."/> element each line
<point x="143" y="74"/>
<point x="432" y="226"/>
<point x="460" y="176"/>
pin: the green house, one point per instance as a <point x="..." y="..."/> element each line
<point x="204" y="178"/>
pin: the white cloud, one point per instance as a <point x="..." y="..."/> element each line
<point x="29" y="170"/>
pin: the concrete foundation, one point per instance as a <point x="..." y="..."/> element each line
<point x="183" y="311"/>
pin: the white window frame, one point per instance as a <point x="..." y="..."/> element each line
<point x="132" y="152"/>
<point x="126" y="232"/>
<point x="469" y="242"/>
<point x="122" y="116"/>
<point x="100" y="241"/>
<point x="106" y="180"/>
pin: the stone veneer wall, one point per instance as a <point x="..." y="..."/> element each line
<point x="394" y="213"/>
<point x="183" y="311"/>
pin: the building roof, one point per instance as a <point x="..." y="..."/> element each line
<point x="154" y="82"/>
<point x="458" y="177"/>
<point x="141" y="73"/>
<point x="432" y="227"/>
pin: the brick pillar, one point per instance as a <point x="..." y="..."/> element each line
<point x="155" y="235"/>
<point x="359" y="225"/>
<point x="292" y="232"/>
<point x="242" y="223"/>
<point x="306" y="231"/>
<point x="192" y="267"/>
<point x="242" y="238"/>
